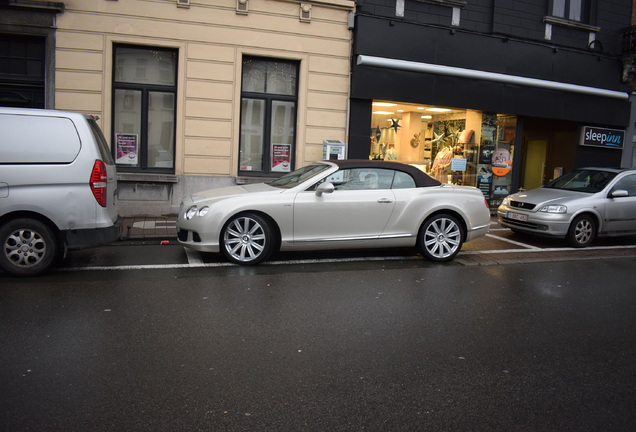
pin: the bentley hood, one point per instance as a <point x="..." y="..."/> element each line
<point x="231" y="191"/>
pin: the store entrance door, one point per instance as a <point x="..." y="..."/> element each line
<point x="534" y="164"/>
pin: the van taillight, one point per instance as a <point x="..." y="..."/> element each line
<point x="98" y="182"/>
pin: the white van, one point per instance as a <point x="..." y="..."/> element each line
<point x="57" y="188"/>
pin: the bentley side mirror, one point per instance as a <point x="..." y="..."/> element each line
<point x="326" y="187"/>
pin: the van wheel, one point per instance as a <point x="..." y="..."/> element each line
<point x="29" y="247"/>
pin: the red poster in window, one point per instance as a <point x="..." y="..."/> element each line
<point x="281" y="157"/>
<point x="127" y="146"/>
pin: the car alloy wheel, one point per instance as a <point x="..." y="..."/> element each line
<point x="441" y="238"/>
<point x="582" y="231"/>
<point x="247" y="239"/>
<point x="28" y="247"/>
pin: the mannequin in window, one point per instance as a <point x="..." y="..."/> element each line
<point x="391" y="153"/>
<point x="439" y="171"/>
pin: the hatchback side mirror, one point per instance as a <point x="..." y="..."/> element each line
<point x="326" y="187"/>
<point x="619" y="193"/>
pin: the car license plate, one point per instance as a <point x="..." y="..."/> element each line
<point x="517" y="216"/>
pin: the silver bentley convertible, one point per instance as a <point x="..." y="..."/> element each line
<point x="344" y="204"/>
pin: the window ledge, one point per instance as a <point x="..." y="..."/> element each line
<point x="52" y="6"/>
<point x="242" y="180"/>
<point x="571" y="24"/>
<point x="450" y="3"/>
<point x="148" y="178"/>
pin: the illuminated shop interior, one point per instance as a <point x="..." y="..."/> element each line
<point x="453" y="145"/>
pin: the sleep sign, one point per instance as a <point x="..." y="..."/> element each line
<point x="602" y="137"/>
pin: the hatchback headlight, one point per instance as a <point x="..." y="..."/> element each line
<point x="554" y="209"/>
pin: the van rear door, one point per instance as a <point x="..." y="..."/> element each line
<point x="111" y="168"/>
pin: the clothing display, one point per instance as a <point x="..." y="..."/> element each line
<point x="439" y="171"/>
<point x="391" y="154"/>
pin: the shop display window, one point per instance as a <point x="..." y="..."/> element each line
<point x="457" y="146"/>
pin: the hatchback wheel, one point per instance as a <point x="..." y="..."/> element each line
<point x="441" y="238"/>
<point x="248" y="239"/>
<point x="29" y="247"/>
<point x="582" y="231"/>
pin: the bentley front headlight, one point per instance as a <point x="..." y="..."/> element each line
<point x="189" y="214"/>
<point x="195" y="211"/>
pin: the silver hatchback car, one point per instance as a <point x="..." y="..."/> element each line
<point x="578" y="206"/>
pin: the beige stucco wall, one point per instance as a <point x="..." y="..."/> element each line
<point x="211" y="38"/>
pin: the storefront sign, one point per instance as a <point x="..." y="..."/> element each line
<point x="601" y="137"/>
<point x="127" y="146"/>
<point x="501" y="162"/>
<point x="458" y="164"/>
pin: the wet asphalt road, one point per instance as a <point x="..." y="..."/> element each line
<point x="398" y="345"/>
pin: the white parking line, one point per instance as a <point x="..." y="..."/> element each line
<point x="195" y="261"/>
<point x="512" y="242"/>
<point x="535" y="249"/>
<point x="141" y="267"/>
<point x="227" y="264"/>
<point x="194" y="257"/>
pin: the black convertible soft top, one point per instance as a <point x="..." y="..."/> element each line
<point x="420" y="177"/>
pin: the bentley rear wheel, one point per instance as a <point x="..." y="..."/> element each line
<point x="441" y="238"/>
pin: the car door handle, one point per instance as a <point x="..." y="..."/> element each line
<point x="385" y="201"/>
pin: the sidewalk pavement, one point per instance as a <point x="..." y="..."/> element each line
<point x="149" y="227"/>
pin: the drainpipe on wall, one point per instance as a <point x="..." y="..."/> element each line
<point x="628" y="159"/>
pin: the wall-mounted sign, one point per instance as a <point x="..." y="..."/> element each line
<point x="602" y="137"/>
<point x="333" y="149"/>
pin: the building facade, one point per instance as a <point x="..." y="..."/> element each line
<point x="499" y="94"/>
<point x="192" y="94"/>
<point x="197" y="94"/>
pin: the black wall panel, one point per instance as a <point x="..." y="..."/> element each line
<point x="407" y="41"/>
